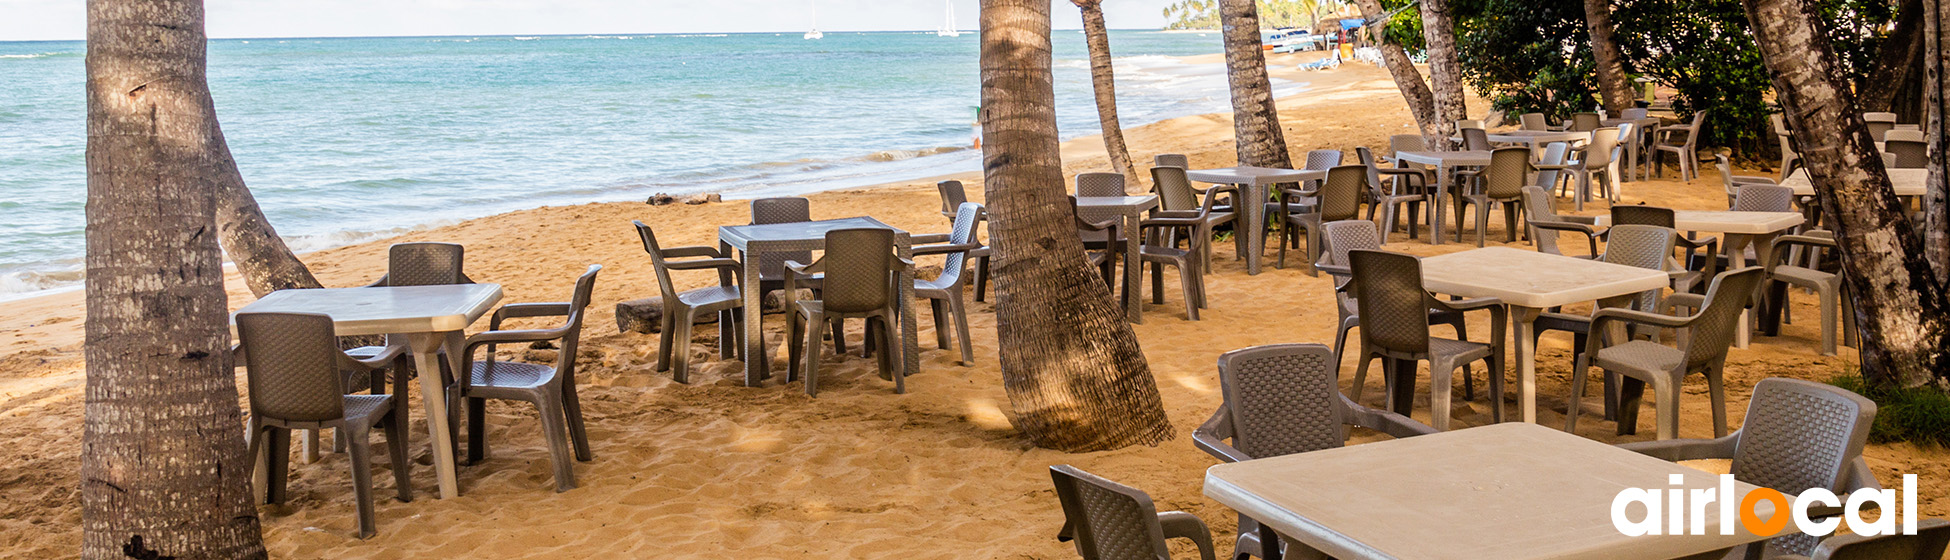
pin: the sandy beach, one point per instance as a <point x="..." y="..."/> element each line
<point x="713" y="469"/>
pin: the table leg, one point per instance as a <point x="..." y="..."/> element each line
<point x="1523" y="321"/>
<point x="1133" y="269"/>
<point x="910" y="350"/>
<point x="1444" y="173"/>
<point x="1253" y="229"/>
<point x="757" y="364"/>
<point x="1737" y="259"/>
<point x="433" y="395"/>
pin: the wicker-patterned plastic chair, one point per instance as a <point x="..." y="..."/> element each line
<point x="1684" y="278"/>
<point x="952" y="197"/>
<point x="1544" y="223"/>
<point x="1906" y="135"/>
<point x="1100" y="185"/>
<point x="1282" y="399"/>
<point x="1704" y="338"/>
<point x="1395" y="328"/>
<point x="944" y="292"/>
<point x="1339" y="198"/>
<point x="1533" y="121"/>
<point x="1389" y="203"/>
<point x="1910" y="154"/>
<point x="1639" y="246"/>
<point x="681" y="309"/>
<point x="1734" y="182"/>
<point x="1759" y="197"/>
<point x="1350" y="235"/>
<point x="1836" y="302"/>
<point x="1503" y="183"/>
<point x="293" y="368"/>
<point x="861" y="269"/>
<point x="1300" y="198"/>
<point x="407" y="264"/>
<point x="1550" y="167"/>
<point x="1682" y="142"/>
<point x="1159" y="247"/>
<point x="1171" y="160"/>
<point x="551" y="388"/>
<point x="1879" y="124"/>
<point x="1797" y="435"/>
<point x="1931" y="538"/>
<point x="1596" y="162"/>
<point x="1585" y="122"/>
<point x="1111" y="521"/>
<point x="771" y="264"/>
<point x="1100" y="254"/>
<point x="1476" y="139"/>
<point x="1177" y="199"/>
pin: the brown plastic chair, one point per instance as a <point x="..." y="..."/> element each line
<point x="1703" y="343"/>
<point x="1683" y="277"/>
<point x="861" y="269"/>
<point x="1394" y="308"/>
<point x="1282" y="399"/>
<point x="944" y="292"/>
<point x="1349" y="235"/>
<point x="952" y="197"/>
<point x="1476" y="139"/>
<point x="1879" y="124"/>
<point x="1836" y="300"/>
<point x="294" y="370"/>
<point x="682" y="308"/>
<point x="1503" y="183"/>
<point x="1100" y="254"/>
<point x="1390" y="203"/>
<point x="1595" y="162"/>
<point x="1100" y="184"/>
<point x="1931" y="538"/>
<point x="1550" y="167"/>
<point x="1759" y="197"/>
<point x="1544" y="223"/>
<point x="1171" y="160"/>
<point x="1734" y="182"/>
<point x="552" y="389"/>
<point x="1294" y="200"/>
<point x="1339" y="198"/>
<point x="1910" y="154"/>
<point x="1159" y="247"/>
<point x="1797" y="435"/>
<point x="1633" y="245"/>
<point x="1534" y="121"/>
<point x="1681" y="142"/>
<point x="771" y="264"/>
<point x="1111" y="521"/>
<point x="1178" y="199"/>
<point x="1585" y="122"/>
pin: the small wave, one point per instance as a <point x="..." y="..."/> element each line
<point x="28" y="281"/>
<point x="897" y="155"/>
<point x="526" y="38"/>
<point x="33" y="55"/>
<point x="309" y="243"/>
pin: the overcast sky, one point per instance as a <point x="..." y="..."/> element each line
<point x="22" y="20"/>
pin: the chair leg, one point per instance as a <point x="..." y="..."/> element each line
<point x="960" y="311"/>
<point x="795" y="343"/>
<point x="664" y="339"/>
<point x="680" y="347"/>
<point x="279" y="471"/>
<point x="838" y="332"/>
<point x="1510" y="220"/>
<point x="937" y="309"/>
<point x="1340" y="339"/>
<point x="1188" y="283"/>
<point x="816" y="322"/>
<point x="1313" y="249"/>
<point x="1401" y="387"/>
<point x="1440" y="386"/>
<point x="1157" y="283"/>
<point x="1631" y="394"/>
<point x="1361" y="373"/>
<point x="1667" y="407"/>
<point x="397" y="456"/>
<point x="558" y="445"/>
<point x="1830" y="308"/>
<point x="1717" y="390"/>
<point x="1495" y="363"/>
<point x="1576" y="398"/>
<point x="1482" y="221"/>
<point x="572" y="413"/>
<point x="476" y="429"/>
<point x="725" y="348"/>
<point x="360" y="452"/>
<point x="981" y="279"/>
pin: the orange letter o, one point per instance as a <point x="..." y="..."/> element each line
<point x="1774" y="524"/>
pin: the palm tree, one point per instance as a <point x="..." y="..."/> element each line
<point x="1070" y="363"/>
<point x="1903" y="312"/>
<point x="1936" y="102"/>
<point x="1255" y="121"/>
<point x="1614" y="87"/>
<point x="1106" y="87"/>
<point x="1415" y="92"/>
<point x="163" y="464"/>
<point x="1445" y="73"/>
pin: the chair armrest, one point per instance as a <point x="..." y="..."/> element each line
<point x="1676" y="450"/>
<point x="1551" y="166"/>
<point x="928" y="238"/>
<point x="1156" y="214"/>
<point x="1149" y="223"/>
<point x="692" y="251"/>
<point x="704" y="264"/>
<point x="945" y="249"/>
<point x="1335" y="270"/>
<point x="1750" y="179"/>
<point x="516" y="310"/>
<point x="1210" y="438"/>
<point x="492" y="338"/>
<point x="1671" y="302"/>
<point x="1630" y="316"/>
<point x="379" y="361"/>
<point x="1181" y="525"/>
<point x="1785" y="242"/>
<point x="1383" y="421"/>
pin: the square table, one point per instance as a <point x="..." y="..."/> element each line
<point x="1251" y="203"/>
<point x="1129" y="209"/>
<point x="428" y="317"/>
<point x="756" y="240"/>
<point x="1529" y="282"/>
<point x="1445" y="172"/>
<point x="1738" y="230"/>
<point x="1505" y="491"/>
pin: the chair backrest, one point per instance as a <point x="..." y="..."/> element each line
<point x="1111" y="520"/>
<point x="1174" y="189"/>
<point x="783" y="210"/>
<point x="1476" y="139"/>
<point x="1634" y="113"/>
<point x="1366" y="157"/>
<point x="1393" y="305"/>
<point x="952" y="195"/>
<point x="1348" y="235"/>
<point x="1407" y="143"/>
<point x="424" y="264"/>
<point x="1467" y="124"/>
<point x="1283" y="399"/>
<point x="1642" y="215"/>
<point x="1910" y="154"/>
<point x="1641" y="246"/>
<point x="1879" y="117"/>
<point x="565" y="357"/>
<point x="1583" y="122"/>
<point x="292" y="366"/>
<point x="1699" y="121"/>
<point x="1879" y="124"/>
<point x="1764" y="198"/>
<point x="859" y="270"/>
<point x="1553" y="155"/>
<point x="1340" y="196"/>
<point x="1533" y="121"/>
<point x="1800" y="435"/>
<point x="1494" y="118"/>
<point x="1323" y="159"/>
<point x="1725" y="167"/>
<point x="1782" y="133"/>
<point x="1508" y="171"/>
<point x="1931" y="538"/>
<point x="1171" y="160"/>
<point x="1713" y="329"/>
<point x="1100" y="184"/>
<point x="1604" y="144"/>
<point x="1900" y="134"/>
<point x="967" y="217"/>
<point x="656" y="252"/>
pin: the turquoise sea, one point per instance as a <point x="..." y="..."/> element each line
<point x="344" y="140"/>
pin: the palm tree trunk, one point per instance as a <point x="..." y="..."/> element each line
<point x="1445" y="73"/>
<point x="1415" y="92"/>
<point x="1898" y="302"/>
<point x="1070" y="363"/>
<point x="1255" y="121"/>
<point x="1614" y="87"/>
<point x="1936" y="101"/>
<point x="1105" y="84"/>
<point x="266" y="264"/>
<point x="163" y="460"/>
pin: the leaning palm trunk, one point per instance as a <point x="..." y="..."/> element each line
<point x="1614" y="87"/>
<point x="1255" y="122"/>
<point x="1415" y="92"/>
<point x="1105" y="84"/>
<point x="1445" y="73"/>
<point x="1070" y="363"/>
<point x="1936" y="100"/>
<point x="266" y="264"/>
<point x="163" y="464"/>
<point x="1898" y="301"/>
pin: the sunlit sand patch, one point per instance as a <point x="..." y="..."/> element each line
<point x="1194" y="383"/>
<point x="758" y="440"/>
<point x="984" y="413"/>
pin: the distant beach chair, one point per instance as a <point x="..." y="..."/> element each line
<point x="1682" y="142"/>
<point x="1110" y="520"/>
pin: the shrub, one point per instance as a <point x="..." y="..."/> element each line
<point x="1920" y="414"/>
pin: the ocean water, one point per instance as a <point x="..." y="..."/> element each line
<point x="345" y="140"/>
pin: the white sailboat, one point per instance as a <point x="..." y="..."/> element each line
<point x="948" y="26"/>
<point x="815" y="34"/>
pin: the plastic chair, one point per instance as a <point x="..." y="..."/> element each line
<point x="1503" y="183"/>
<point x="1931" y="538"/>
<point x="1100" y="254"/>
<point x="1178" y="199"/>
<point x="1282" y="399"/>
<point x="1685" y="151"/>
<point x="552" y="389"/>
<point x="1764" y="197"/>
<point x="1350" y="235"/>
<point x="952" y="197"/>
<point x="771" y="264"/>
<point x="1879" y="124"/>
<point x="1395" y="327"/>
<point x="1683" y="278"/>
<point x="1159" y="246"/>
<point x="1543" y="223"/>
<point x="1585" y="122"/>
<point x="1389" y="203"/>
<point x="1534" y="121"/>
<point x="1111" y="521"/>
<point x="1596" y="162"/>
<point x="681" y="309"/>
<point x="1910" y="154"/>
<point x="1704" y="339"/>
<point x="1171" y="160"/>
<point x="1734" y="182"/>
<point x="1639" y="246"/>
<point x="294" y="370"/>
<point x="944" y="292"/>
<point x="1836" y="302"/>
<point x="1790" y="158"/>
<point x="860" y="268"/>
<point x="1550" y="166"/>
<point x="1476" y="139"/>
<point x="1339" y="198"/>
<point x="1100" y="184"/>
<point x="1797" y="435"/>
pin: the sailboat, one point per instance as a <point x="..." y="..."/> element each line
<point x="948" y="26"/>
<point x="815" y="34"/>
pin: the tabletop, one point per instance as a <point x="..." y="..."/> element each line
<point x="1118" y="202"/>
<point x="1510" y="491"/>
<point x="1460" y="157"/>
<point x="1245" y="175"/>
<point x="741" y="236"/>
<point x="1539" y="136"/>
<point x="1533" y="279"/>
<point x="1729" y="221"/>
<point x="1908" y="182"/>
<point x="386" y="310"/>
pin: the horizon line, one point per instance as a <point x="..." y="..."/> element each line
<point x="592" y="34"/>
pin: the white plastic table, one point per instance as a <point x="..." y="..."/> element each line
<point x="1529" y="282"/>
<point x="1445" y="171"/>
<point x="1251" y="204"/>
<point x="1738" y="230"/>
<point x="1130" y="210"/>
<point x="428" y="317"/>
<point x="1505" y="491"/>
<point x="1908" y="182"/>
<point x="756" y="240"/>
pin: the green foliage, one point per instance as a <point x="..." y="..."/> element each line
<point x="1204" y="14"/>
<point x="1920" y="414"/>
<point x="1527" y="55"/>
<point x="1705" y="51"/>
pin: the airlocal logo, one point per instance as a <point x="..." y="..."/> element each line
<point x="1682" y="511"/>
